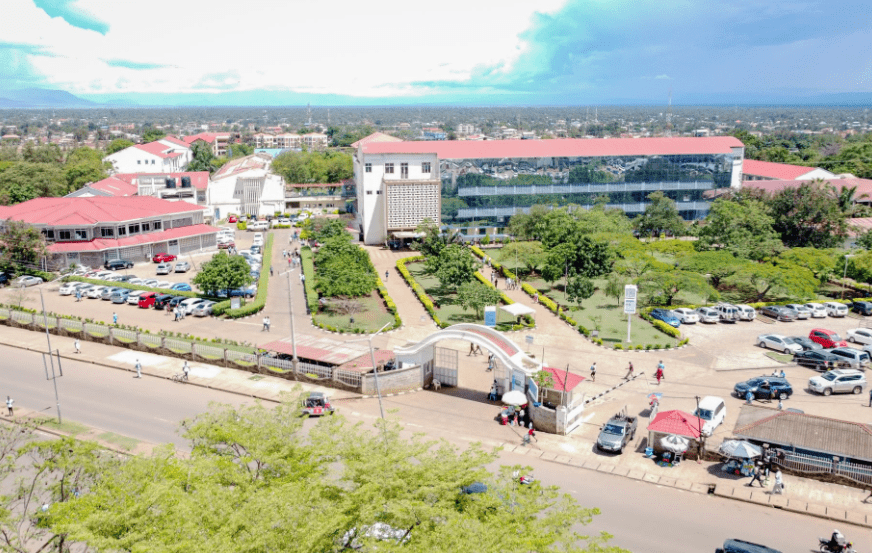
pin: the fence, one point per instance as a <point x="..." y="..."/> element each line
<point x="816" y="464"/>
<point x="283" y="365"/>
<point x="208" y="352"/>
<point x="317" y="370"/>
<point x="349" y="378"/>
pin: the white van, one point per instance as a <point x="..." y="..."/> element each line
<point x="746" y="312"/>
<point x="836" y="309"/>
<point x="728" y="313"/>
<point x="258" y="225"/>
<point x="712" y="410"/>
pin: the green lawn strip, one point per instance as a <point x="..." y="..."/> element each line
<point x="445" y="301"/>
<point x="67" y="427"/>
<point x="372" y="316"/>
<point x="780" y="357"/>
<point x="117" y="439"/>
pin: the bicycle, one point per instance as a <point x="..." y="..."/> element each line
<point x="181" y="377"/>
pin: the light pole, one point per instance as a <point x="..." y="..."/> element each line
<point x="845" y="275"/>
<point x="374" y="368"/>
<point x="53" y="377"/>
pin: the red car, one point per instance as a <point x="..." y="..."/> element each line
<point x="163" y="258"/>
<point x="827" y="338"/>
<point x="147" y="300"/>
<point x="232" y="219"/>
<point x="226" y="245"/>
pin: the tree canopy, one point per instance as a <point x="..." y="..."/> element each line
<point x="454" y="266"/>
<point x="21" y="243"/>
<point x="476" y="296"/>
<point x="343" y="269"/>
<point x="809" y="215"/>
<point x="202" y="158"/>
<point x="313" y="167"/>
<point x="223" y="273"/>
<point x="660" y="216"/>
<point x="743" y="228"/>
<point x="117" y="145"/>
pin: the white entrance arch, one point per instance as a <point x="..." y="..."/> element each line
<point x="504" y="350"/>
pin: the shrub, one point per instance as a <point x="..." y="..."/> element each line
<point x="666" y="329"/>
<point x="619" y="346"/>
<point x="262" y="286"/>
<point x="640" y="347"/>
<point x="647" y="346"/>
<point x="241" y="226"/>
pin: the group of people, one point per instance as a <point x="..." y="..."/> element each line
<point x="659" y="373"/>
<point x="762" y="468"/>
<point x="178" y="312"/>
<point x="293" y="257"/>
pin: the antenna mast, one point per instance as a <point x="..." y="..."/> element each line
<point x="669" y="115"/>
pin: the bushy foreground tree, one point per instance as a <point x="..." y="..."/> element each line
<point x="256" y="481"/>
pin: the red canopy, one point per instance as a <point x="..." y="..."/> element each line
<point x="559" y="375"/>
<point x="678" y="423"/>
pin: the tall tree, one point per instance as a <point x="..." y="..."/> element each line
<point x="223" y="273"/>
<point x="529" y="255"/>
<point x="660" y="216"/>
<point x="742" y="227"/>
<point x="21" y="243"/>
<point x="808" y="215"/>
<point x="24" y="181"/>
<point x="579" y="289"/>
<point x="716" y="265"/>
<point x="663" y="287"/>
<point x="117" y="145"/>
<point x="202" y="158"/>
<point x="454" y="266"/>
<point x="477" y="296"/>
<point x="759" y="281"/>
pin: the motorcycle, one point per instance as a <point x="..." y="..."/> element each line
<point x="826" y="547"/>
<point x="527" y="479"/>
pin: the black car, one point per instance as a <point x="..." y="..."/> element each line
<point x="161" y="301"/>
<point x="862" y="307"/>
<point x="176" y="301"/>
<point x="741" y="546"/>
<point x="115" y="264"/>
<point x="125" y="278"/>
<point x="778" y="313"/>
<point x="4" y="279"/>
<point x="820" y="359"/>
<point x="806" y="343"/>
<point x="765" y="387"/>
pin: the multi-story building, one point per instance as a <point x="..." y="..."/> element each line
<point x="245" y="186"/>
<point x="218" y="141"/>
<point x="92" y="230"/>
<point x="167" y="155"/>
<point x="767" y="170"/>
<point x="399" y="184"/>
<point x="291" y="141"/>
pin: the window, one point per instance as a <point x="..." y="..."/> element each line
<point x="156" y="225"/>
<point x="146" y="227"/>
<point x="404" y="170"/>
<point x="139" y="162"/>
<point x="122" y="231"/>
<point x="49" y="234"/>
<point x="64" y="235"/>
<point x="152" y="162"/>
<point x="133" y="229"/>
<point x="389" y="168"/>
<point x="425" y="167"/>
<point x="81" y="234"/>
<point x="369" y="192"/>
<point x="367" y="167"/>
<point x="107" y="231"/>
<point x="378" y="191"/>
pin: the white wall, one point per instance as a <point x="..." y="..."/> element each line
<point x="134" y="160"/>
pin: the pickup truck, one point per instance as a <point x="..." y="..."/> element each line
<point x="617" y="433"/>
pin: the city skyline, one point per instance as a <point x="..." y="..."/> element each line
<point x="558" y="52"/>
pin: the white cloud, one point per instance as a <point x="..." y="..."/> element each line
<point x="373" y="48"/>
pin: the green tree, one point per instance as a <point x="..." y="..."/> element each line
<point x="454" y="267"/>
<point x="476" y="296"/>
<point x="434" y="240"/>
<point x="759" y="281"/>
<point x="117" y="145"/>
<point x="581" y="255"/>
<point x="529" y="226"/>
<point x="663" y="287"/>
<point x="238" y="149"/>
<point x="22" y="243"/>
<point x="42" y="153"/>
<point x="660" y="216"/>
<point x="343" y="269"/>
<point x="40" y="179"/>
<point x="530" y="255"/>
<point x="865" y="240"/>
<point x="821" y="263"/>
<point x="809" y="215"/>
<point x="84" y="165"/>
<point x="223" y="273"/>
<point x="202" y="158"/>
<point x="324" y="228"/>
<point x="313" y="167"/>
<point x="150" y="134"/>
<point x="579" y="289"/>
<point x="716" y="265"/>
<point x="614" y="287"/>
<point x="743" y="228"/>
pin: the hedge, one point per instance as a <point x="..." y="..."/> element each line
<point x="307" y="262"/>
<point x="223" y="307"/>
<point x="417" y="288"/>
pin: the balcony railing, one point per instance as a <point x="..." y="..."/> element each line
<point x="586" y="188"/>
<point x="701" y="208"/>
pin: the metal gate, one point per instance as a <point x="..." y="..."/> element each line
<point x="445" y="366"/>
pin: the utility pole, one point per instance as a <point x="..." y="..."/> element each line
<point x="54" y="376"/>
<point x="701" y="437"/>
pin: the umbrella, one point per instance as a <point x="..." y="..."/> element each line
<point x="740" y="449"/>
<point x="675" y="444"/>
<point x="515" y="397"/>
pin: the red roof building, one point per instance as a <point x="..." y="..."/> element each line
<point x="375" y="137"/>
<point x="863" y="192"/>
<point x="92" y="230"/>
<point x="110" y="186"/>
<point x="677" y="423"/>
<point x="753" y="170"/>
<point x="563" y="378"/>
<point x="218" y="141"/>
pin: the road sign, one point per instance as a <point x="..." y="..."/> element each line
<point x="629" y="306"/>
<point x="630" y="291"/>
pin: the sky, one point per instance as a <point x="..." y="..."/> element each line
<point x="480" y="52"/>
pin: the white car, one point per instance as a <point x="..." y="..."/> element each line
<point x="69" y="288"/>
<point x="284" y="221"/>
<point x="836" y="309"/>
<point x="860" y="335"/>
<point x="187" y="306"/>
<point x="134" y="295"/>
<point x="712" y="411"/>
<point x="802" y="312"/>
<point x="203" y="309"/>
<point x="96" y="292"/>
<point x="27" y="280"/>
<point x="164" y="269"/>
<point x="708" y="314"/>
<point x="101" y="275"/>
<point x="778" y="343"/>
<point x="685" y="316"/>
<point x="164" y="284"/>
<point x="818" y="311"/>
<point x="746" y="312"/>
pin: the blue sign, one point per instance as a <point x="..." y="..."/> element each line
<point x="533" y="387"/>
<point x="490" y="316"/>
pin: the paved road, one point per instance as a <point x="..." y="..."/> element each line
<point x="644" y="518"/>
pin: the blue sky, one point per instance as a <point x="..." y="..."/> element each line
<point x="518" y="52"/>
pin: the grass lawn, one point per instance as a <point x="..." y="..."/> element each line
<point x="780" y="357"/>
<point x="118" y="440"/>
<point x="372" y="316"/>
<point x="67" y="427"/>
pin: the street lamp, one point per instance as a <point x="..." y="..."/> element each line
<point x="375" y="376"/>
<point x="845" y="275"/>
<point x="54" y="376"/>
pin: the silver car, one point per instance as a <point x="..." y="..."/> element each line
<point x="708" y="314"/>
<point x="838" y="381"/>
<point x="818" y="310"/>
<point x="182" y="267"/>
<point x="778" y="343"/>
<point x="203" y="309"/>
<point x="802" y="312"/>
<point x="685" y="315"/>
<point x="164" y="269"/>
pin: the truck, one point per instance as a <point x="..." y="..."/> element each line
<point x="617" y="432"/>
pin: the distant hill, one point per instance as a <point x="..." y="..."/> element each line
<point x="42" y="98"/>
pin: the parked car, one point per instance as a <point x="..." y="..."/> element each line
<point x="134" y="296"/>
<point x="827" y="338"/>
<point x="838" y="381"/>
<point x="100" y="275"/>
<point x="836" y="309"/>
<point x="164" y="269"/>
<point x="708" y="314"/>
<point x="113" y="278"/>
<point x="856" y="358"/>
<point x="188" y="305"/>
<point x="125" y="278"/>
<point x="746" y="312"/>
<point x="150" y="282"/>
<point x="177" y="300"/>
<point x="256" y="249"/>
<point x="27" y="280"/>
<point x="163" y="284"/>
<point x="778" y="343"/>
<point x="778" y="313"/>
<point x="136" y="281"/>
<point x="232" y="219"/>
<point x="181" y="287"/>
<point x="69" y="288"/>
<point x="182" y="267"/>
<point x="96" y="292"/>
<point x="818" y="310"/>
<point x="617" y="433"/>
<point x="163" y="257"/>
<point x="741" y="546"/>
<point x="805" y="343"/>
<point x="161" y="301"/>
<point x="666" y="316"/>
<point x="862" y="307"/>
<point x="685" y="315"/>
<point x="147" y="300"/>
<point x="120" y="295"/>
<point x="712" y="410"/>
<point x="819" y="360"/>
<point x="859" y="335"/>
<point x="226" y="245"/>
<point x="802" y="312"/>
<point x="203" y="309"/>
<point x="765" y="387"/>
<point x="116" y="264"/>
<point x="728" y="313"/>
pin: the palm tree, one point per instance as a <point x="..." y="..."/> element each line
<point x="848" y="199"/>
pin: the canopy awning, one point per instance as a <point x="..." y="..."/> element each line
<point x="517" y="309"/>
<point x="407" y="234"/>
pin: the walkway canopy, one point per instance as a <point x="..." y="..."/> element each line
<point x="518" y="310"/>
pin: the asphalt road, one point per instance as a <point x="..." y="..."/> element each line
<point x="643" y="518"/>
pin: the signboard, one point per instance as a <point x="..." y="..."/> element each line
<point x="235" y="302"/>
<point x="490" y="316"/>
<point x="533" y="388"/>
<point x="529" y="339"/>
<point x="630" y="299"/>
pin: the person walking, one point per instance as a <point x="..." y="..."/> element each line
<point x="115" y="318"/>
<point x="186" y="370"/>
<point x="536" y="298"/>
<point x="749" y="397"/>
<point x="9" y="402"/>
<point x="756" y="476"/>
<point x="629" y="374"/>
<point x="779" y="483"/>
<point x="138" y="369"/>
<point x="593" y="372"/>
<point x="490" y="362"/>
<point x="78" y="295"/>
<point x="77" y="346"/>
<point x="265" y="324"/>
<point x="659" y="373"/>
<point x="387" y="274"/>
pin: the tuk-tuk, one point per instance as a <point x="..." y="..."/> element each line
<point x="316" y="404"/>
